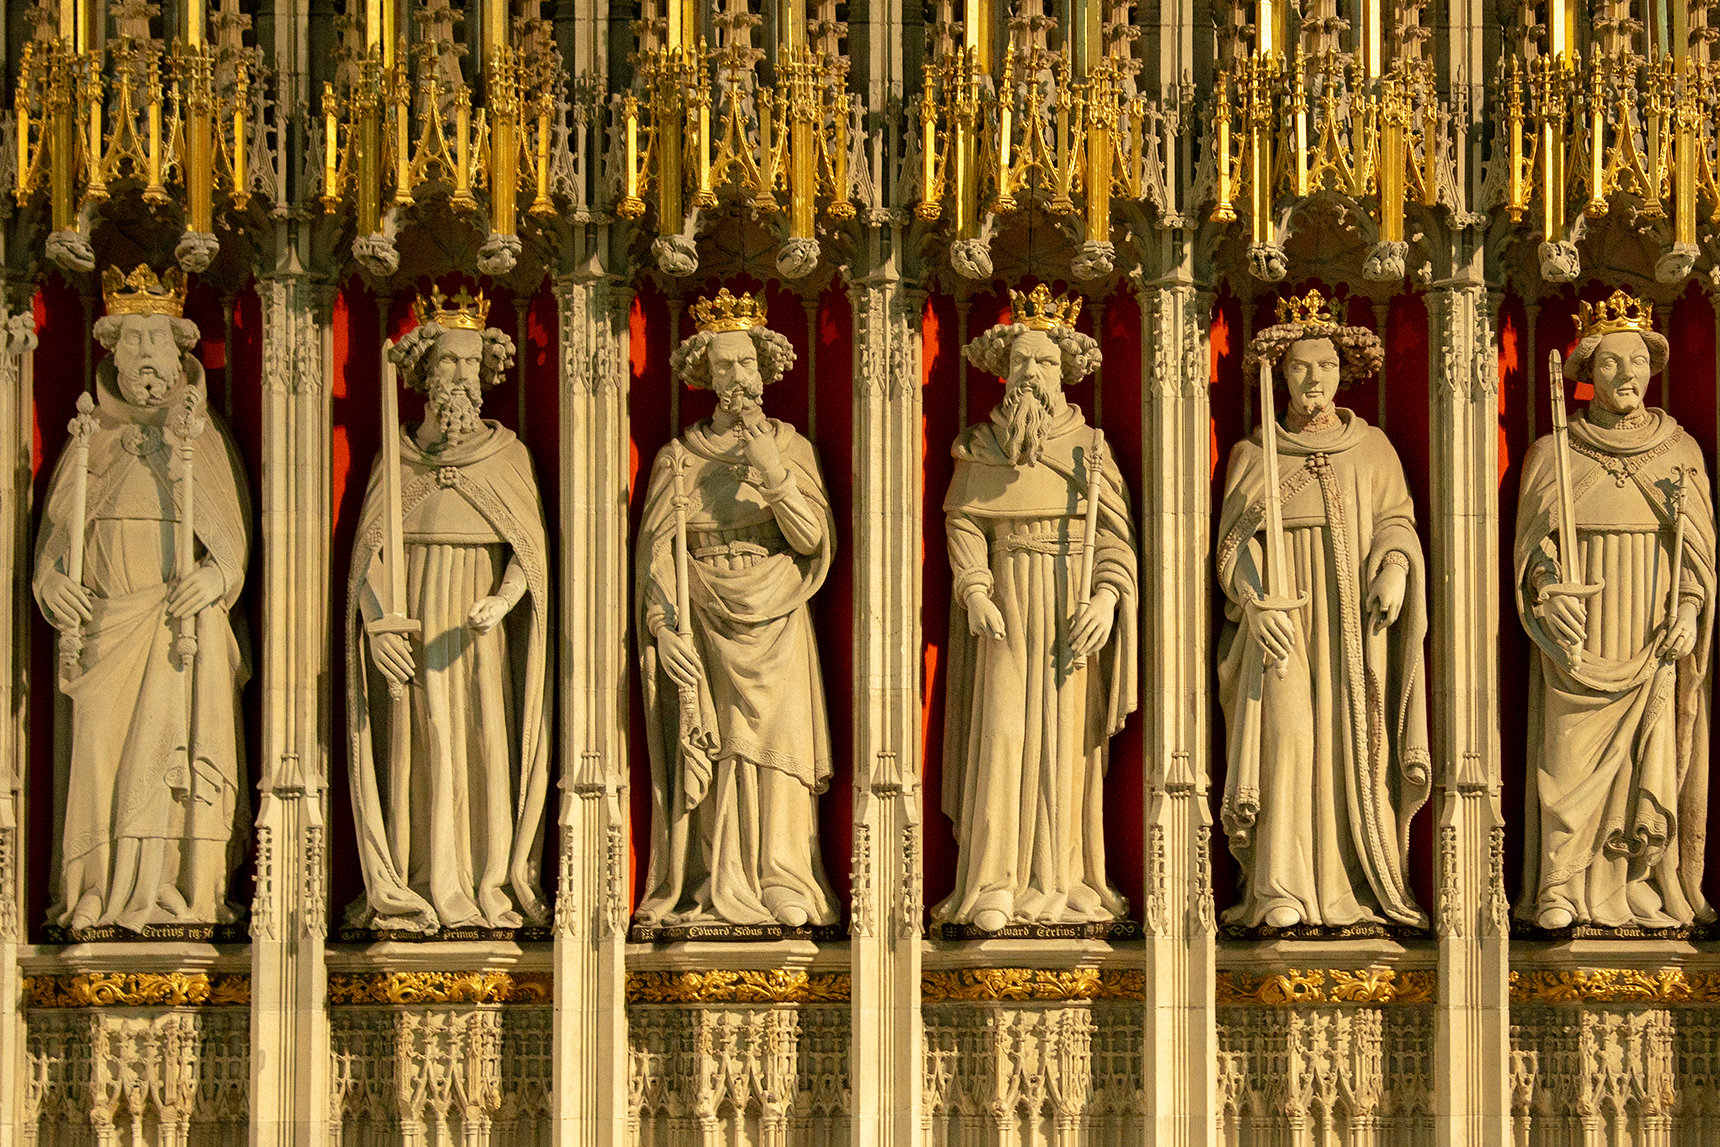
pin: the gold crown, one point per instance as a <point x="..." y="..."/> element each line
<point x="1311" y="310"/>
<point x="467" y="313"/>
<point x="1041" y="310"/>
<point x="728" y="312"/>
<point x="1620" y="312"/>
<point x="142" y="293"/>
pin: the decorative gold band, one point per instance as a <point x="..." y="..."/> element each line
<point x="1616" y="985"/>
<point x="1033" y="984"/>
<point x="440" y="988"/>
<point x="1327" y="986"/>
<point x="138" y="990"/>
<point x="770" y="986"/>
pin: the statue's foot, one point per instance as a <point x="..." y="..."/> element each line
<point x="1554" y="918"/>
<point x="790" y="910"/>
<point x="87" y="912"/>
<point x="990" y="919"/>
<point x="1283" y="916"/>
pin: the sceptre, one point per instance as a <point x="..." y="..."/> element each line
<point x="82" y="425"/>
<point x="1277" y="595"/>
<point x="1680" y="475"/>
<point x="393" y="619"/>
<point x="683" y="591"/>
<point x="187" y="427"/>
<point x="1570" y="573"/>
<point x="1089" y="540"/>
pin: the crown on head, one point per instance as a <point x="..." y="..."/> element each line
<point x="1040" y="310"/>
<point x="1311" y="310"/>
<point x="729" y="312"/>
<point x="1619" y="312"/>
<point x="466" y="313"/>
<point x="142" y="292"/>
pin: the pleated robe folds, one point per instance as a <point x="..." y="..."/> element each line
<point x="1026" y="731"/>
<point x="1328" y="763"/>
<point x="1617" y="795"/>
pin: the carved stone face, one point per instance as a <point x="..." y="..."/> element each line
<point x="1310" y="369"/>
<point x="146" y="359"/>
<point x="1035" y="358"/>
<point x="734" y="371"/>
<point x="452" y="382"/>
<point x="1621" y="370"/>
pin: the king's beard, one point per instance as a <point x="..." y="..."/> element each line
<point x="147" y="382"/>
<point x="1026" y="421"/>
<point x="455" y="413"/>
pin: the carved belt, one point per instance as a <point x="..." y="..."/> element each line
<point x="1037" y="543"/>
<point x="731" y="550"/>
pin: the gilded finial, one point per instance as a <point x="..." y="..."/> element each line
<point x="1040" y="310"/>
<point x="465" y="314"/>
<point x="143" y="293"/>
<point x="1312" y="309"/>
<point x="729" y="312"/>
<point x="1619" y="312"/>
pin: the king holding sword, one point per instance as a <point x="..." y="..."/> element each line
<point x="1320" y="658"/>
<point x="1615" y="583"/>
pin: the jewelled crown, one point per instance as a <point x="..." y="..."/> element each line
<point x="729" y="312"/>
<point x="142" y="293"/>
<point x="1311" y="310"/>
<point x="1619" y="312"/>
<point x="465" y="314"/>
<point x="1040" y="310"/>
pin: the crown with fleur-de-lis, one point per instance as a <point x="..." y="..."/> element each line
<point x="1311" y="310"/>
<point x="144" y="293"/>
<point x="1040" y="310"/>
<point x="460" y="313"/>
<point x="1618" y="312"/>
<point x="728" y="312"/>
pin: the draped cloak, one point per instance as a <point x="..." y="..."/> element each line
<point x="145" y="771"/>
<point x="1327" y="764"/>
<point x="449" y="782"/>
<point x="735" y="772"/>
<point x="1026" y="732"/>
<point x="1618" y="744"/>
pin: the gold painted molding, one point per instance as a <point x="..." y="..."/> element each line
<point x="440" y="988"/>
<point x="1615" y="985"/>
<point x="138" y="990"/>
<point x="1033" y="984"/>
<point x="771" y="986"/>
<point x="1327" y="986"/>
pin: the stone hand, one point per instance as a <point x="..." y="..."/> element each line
<point x="679" y="658"/>
<point x="984" y="618"/>
<point x="1680" y="636"/>
<point x="1274" y="629"/>
<point x="192" y="595"/>
<point x="68" y="603"/>
<point x="1091" y="626"/>
<point x="1566" y="615"/>
<point x="759" y="446"/>
<point x="392" y="654"/>
<point x="486" y="612"/>
<point x="1385" y="596"/>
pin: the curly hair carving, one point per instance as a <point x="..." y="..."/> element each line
<point x="691" y="361"/>
<point x="412" y="354"/>
<point x="990" y="351"/>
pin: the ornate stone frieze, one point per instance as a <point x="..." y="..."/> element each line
<point x="1598" y="1075"/>
<point x="439" y="988"/>
<point x="1327" y="985"/>
<point x="769" y="986"/>
<point x="138" y="990"/>
<point x="1038" y="984"/>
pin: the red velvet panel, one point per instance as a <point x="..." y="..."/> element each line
<point x="355" y="391"/>
<point x="831" y="402"/>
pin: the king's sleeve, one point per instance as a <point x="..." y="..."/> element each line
<point x="969" y="548"/>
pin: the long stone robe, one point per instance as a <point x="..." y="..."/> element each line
<point x="1328" y="763"/>
<point x="156" y="805"/>
<point x="449" y="781"/>
<point x="1617" y="797"/>
<point x="1026" y="733"/>
<point x="736" y="773"/>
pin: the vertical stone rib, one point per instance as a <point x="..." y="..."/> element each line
<point x="886" y="1055"/>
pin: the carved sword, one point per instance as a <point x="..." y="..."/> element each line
<point x="1090" y="540"/>
<point x="1277" y="573"/>
<point x="1570" y="572"/>
<point x="393" y="619"/>
<point x="83" y="424"/>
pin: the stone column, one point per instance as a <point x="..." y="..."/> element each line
<point x="1471" y="917"/>
<point x="16" y="377"/>
<point x="1180" y="1050"/>
<point x="886" y="1056"/>
<point x="591" y="1062"/>
<point x="289" y="913"/>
